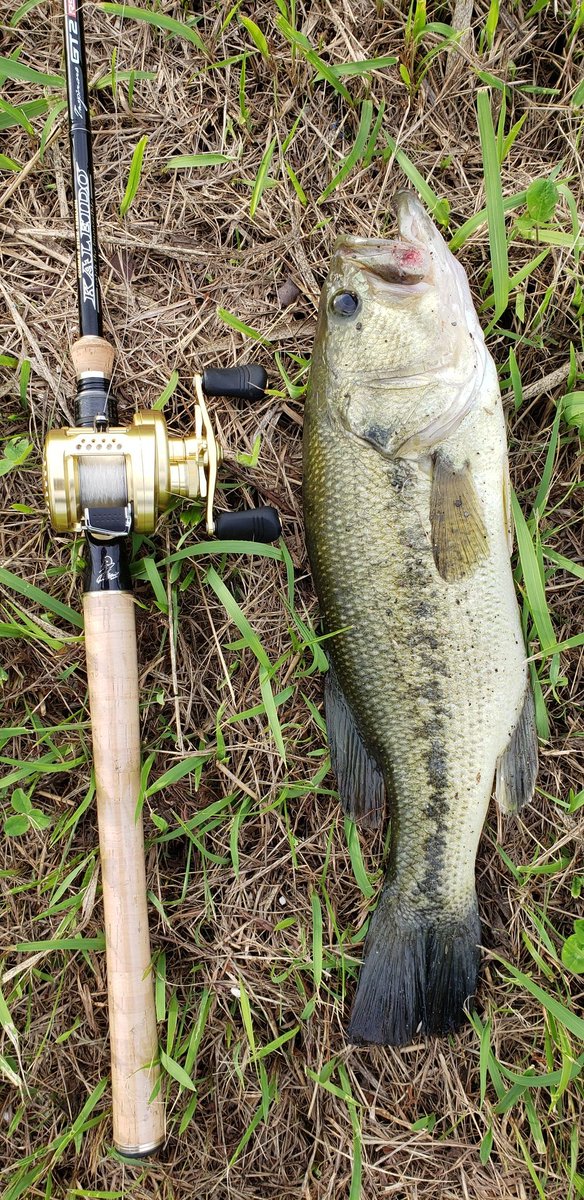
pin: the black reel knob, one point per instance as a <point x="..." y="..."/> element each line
<point x="247" y="383"/>
<point x="249" y="525"/>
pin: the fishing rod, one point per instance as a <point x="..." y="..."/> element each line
<point x="107" y="481"/>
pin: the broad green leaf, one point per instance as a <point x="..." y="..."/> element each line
<point x="20" y="802"/>
<point x="573" y="955"/>
<point x="542" y="198"/>
<point x="16" y="825"/>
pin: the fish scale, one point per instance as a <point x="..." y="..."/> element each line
<point x="410" y="559"/>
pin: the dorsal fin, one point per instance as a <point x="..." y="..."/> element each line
<point x="459" y="537"/>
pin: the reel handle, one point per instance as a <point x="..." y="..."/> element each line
<point x="112" y="675"/>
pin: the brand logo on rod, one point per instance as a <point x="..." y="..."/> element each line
<point x="109" y="571"/>
<point x="86" y="247"/>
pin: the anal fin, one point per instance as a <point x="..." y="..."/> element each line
<point x="360" y="781"/>
<point x="517" y="765"/>
<point x="459" y="537"/>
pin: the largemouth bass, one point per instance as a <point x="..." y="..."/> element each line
<point x="407" y="510"/>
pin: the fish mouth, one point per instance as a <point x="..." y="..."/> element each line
<point x="402" y="263"/>
<point x="392" y="262"/>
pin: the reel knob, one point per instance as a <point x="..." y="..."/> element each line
<point x="245" y="383"/>
<point x="250" y="525"/>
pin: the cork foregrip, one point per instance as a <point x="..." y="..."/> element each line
<point x="112" y="672"/>
<point x="92" y="354"/>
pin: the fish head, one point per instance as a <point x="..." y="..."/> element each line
<point x="397" y="315"/>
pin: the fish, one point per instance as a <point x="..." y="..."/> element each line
<point x="428" y="700"/>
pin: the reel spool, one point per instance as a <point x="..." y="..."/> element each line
<point x="107" y="480"/>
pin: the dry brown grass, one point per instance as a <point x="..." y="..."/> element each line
<point x="187" y="246"/>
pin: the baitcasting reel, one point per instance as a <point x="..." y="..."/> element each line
<point x="107" y="480"/>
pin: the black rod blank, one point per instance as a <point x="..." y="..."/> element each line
<point x="90" y="321"/>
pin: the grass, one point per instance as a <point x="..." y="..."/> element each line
<point x="269" y="129"/>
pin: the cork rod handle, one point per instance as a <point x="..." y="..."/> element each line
<point x="112" y="672"/>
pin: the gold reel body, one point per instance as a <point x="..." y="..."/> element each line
<point x="139" y="465"/>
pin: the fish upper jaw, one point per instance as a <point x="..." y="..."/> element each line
<point x="393" y="265"/>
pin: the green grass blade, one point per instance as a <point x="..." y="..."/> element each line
<point x="261" y="178"/>
<point x="356" y="857"/>
<point x="235" y="323"/>
<point x="301" y="43"/>
<point x="38" y="596"/>
<point x="258" y="1116"/>
<point x="178" y="771"/>
<point x="12" y="68"/>
<point x="364" y="66"/>
<point x="355" y="153"/>
<point x="154" y="578"/>
<point x="175" y="1070"/>
<point x="271" y="712"/>
<point x="438" y="207"/>
<point x="134" y="175"/>
<point x="495" y="210"/>
<point x="510" y="203"/>
<point x="225" y="547"/>
<point x="356" y="1170"/>
<point x="72" y="943"/>
<point x="238" y="617"/>
<point x="210" y="159"/>
<point x="532" y="579"/>
<point x="256" y="35"/>
<point x="158" y="19"/>
<point x="21" y="12"/>
<point x="569" y="1019"/>
<point x="316" y="940"/>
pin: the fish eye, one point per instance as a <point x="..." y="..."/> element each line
<point x="345" y="304"/>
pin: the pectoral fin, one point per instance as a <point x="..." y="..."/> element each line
<point x="517" y="766"/>
<point x="359" y="780"/>
<point x="459" y="537"/>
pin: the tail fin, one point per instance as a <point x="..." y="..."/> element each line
<point x="417" y="974"/>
